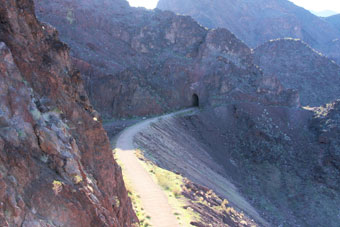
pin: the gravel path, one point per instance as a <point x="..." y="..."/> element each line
<point x="154" y="200"/>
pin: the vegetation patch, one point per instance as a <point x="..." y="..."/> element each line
<point x="172" y="185"/>
<point x="142" y="216"/>
<point x="70" y="16"/>
<point x="77" y="179"/>
<point x="57" y="186"/>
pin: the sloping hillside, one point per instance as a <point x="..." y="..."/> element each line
<point x="284" y="161"/>
<point x="334" y="20"/>
<point x="298" y="66"/>
<point x="168" y="198"/>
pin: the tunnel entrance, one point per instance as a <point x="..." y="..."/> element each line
<point x="195" y="100"/>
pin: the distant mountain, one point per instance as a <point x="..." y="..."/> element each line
<point x="299" y="67"/>
<point x="256" y="22"/>
<point x="334" y="20"/>
<point x="324" y="13"/>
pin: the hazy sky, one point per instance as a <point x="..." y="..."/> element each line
<point x="149" y="4"/>
<point x="319" y="5"/>
<point x="316" y="5"/>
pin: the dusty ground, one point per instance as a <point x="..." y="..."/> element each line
<point x="154" y="200"/>
<point x="114" y="127"/>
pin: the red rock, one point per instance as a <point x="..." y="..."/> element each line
<point x="48" y="138"/>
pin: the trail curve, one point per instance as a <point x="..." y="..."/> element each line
<point x="153" y="198"/>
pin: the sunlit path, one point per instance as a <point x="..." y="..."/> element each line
<point x="154" y="200"/>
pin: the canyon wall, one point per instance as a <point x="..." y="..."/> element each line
<point x="139" y="62"/>
<point x="56" y="165"/>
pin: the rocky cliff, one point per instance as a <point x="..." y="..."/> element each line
<point x="256" y="22"/>
<point x="140" y="62"/>
<point x="56" y="166"/>
<point x="299" y="67"/>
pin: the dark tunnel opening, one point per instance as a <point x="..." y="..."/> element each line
<point x="195" y="100"/>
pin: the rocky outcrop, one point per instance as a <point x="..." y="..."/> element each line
<point x="213" y="210"/>
<point x="256" y="22"/>
<point x="299" y="67"/>
<point x="326" y="122"/>
<point x="56" y="166"/>
<point x="138" y="62"/>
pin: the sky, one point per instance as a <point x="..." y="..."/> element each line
<point x="318" y="5"/>
<point x="315" y="5"/>
<point x="149" y="4"/>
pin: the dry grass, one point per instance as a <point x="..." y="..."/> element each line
<point x="171" y="184"/>
<point x="57" y="186"/>
<point x="142" y="216"/>
<point x="321" y="111"/>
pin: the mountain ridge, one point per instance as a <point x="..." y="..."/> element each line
<point x="300" y="67"/>
<point x="256" y="22"/>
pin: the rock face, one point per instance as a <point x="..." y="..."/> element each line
<point x="56" y="166"/>
<point x="299" y="67"/>
<point x="256" y="22"/>
<point x="140" y="62"/>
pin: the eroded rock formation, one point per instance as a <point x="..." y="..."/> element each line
<point x="140" y="62"/>
<point x="256" y="22"/>
<point x="56" y="165"/>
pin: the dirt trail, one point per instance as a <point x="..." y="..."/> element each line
<point x="154" y="200"/>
